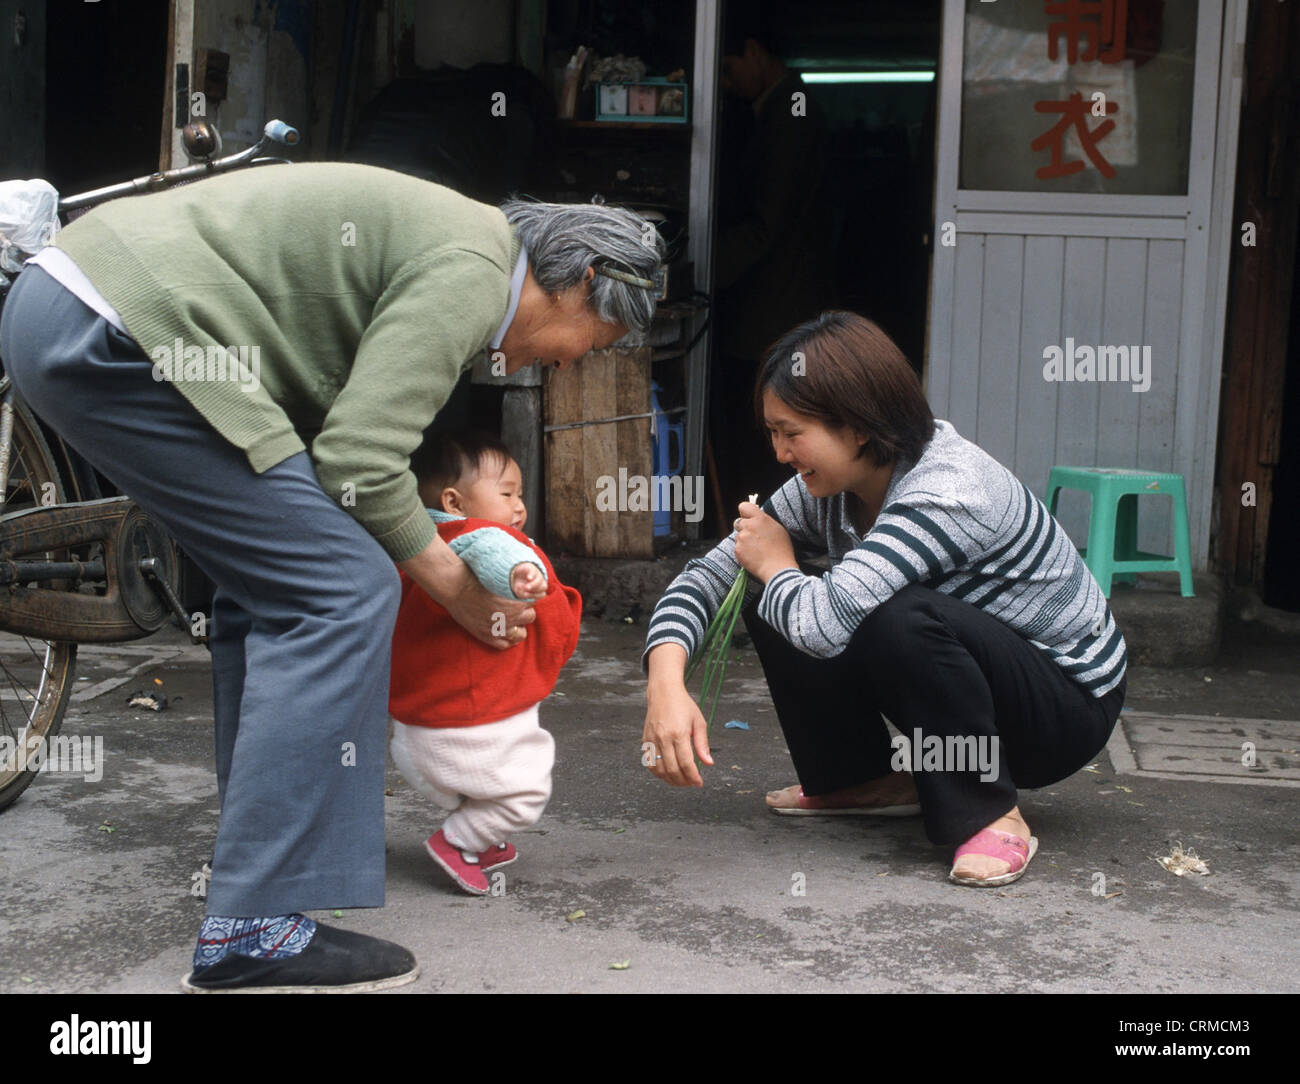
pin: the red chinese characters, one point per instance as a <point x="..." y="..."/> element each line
<point x="1073" y="112"/>
<point x="1107" y="32"/>
<point x="1094" y="31"/>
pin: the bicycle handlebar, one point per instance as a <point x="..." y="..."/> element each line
<point x="280" y="132"/>
<point x="276" y="131"/>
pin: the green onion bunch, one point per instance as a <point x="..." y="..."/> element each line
<point x="716" y="648"/>
<point x="717" y="644"/>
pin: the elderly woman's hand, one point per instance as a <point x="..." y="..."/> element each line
<point x="498" y="622"/>
<point x="675" y="731"/>
<point x="762" y="545"/>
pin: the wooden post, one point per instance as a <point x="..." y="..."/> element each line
<point x="1259" y="306"/>
<point x="521" y="429"/>
<point x="594" y="465"/>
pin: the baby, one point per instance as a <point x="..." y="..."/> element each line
<point x="465" y="729"/>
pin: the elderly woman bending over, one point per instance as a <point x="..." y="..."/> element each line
<point x="356" y="296"/>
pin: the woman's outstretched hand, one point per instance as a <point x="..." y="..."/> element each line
<point x="675" y="731"/>
<point x="763" y="546"/>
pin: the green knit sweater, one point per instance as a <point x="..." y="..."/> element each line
<point x="354" y="296"/>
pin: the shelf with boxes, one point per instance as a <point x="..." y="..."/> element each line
<point x="652" y="100"/>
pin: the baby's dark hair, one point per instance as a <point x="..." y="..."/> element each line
<point x="446" y="459"/>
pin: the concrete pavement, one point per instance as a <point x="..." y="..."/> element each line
<point x="701" y="890"/>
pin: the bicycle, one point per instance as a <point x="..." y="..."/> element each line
<point x="77" y="566"/>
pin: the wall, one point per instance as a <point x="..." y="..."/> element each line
<point x="463" y="33"/>
<point x="22" y="91"/>
<point x="1012" y="295"/>
<point x="269" y="42"/>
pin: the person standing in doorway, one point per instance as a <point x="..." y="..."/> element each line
<point x="773" y="263"/>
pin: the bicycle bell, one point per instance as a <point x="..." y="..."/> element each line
<point x="202" y="141"/>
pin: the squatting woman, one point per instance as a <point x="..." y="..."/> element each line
<point x="954" y="605"/>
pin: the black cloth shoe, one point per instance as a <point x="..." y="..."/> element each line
<point x="334" y="961"/>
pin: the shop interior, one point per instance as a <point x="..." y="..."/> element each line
<point x="403" y="84"/>
<point x="869" y="71"/>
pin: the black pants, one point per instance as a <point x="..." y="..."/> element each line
<point x="941" y="667"/>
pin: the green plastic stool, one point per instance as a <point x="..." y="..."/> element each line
<point x="1112" y="551"/>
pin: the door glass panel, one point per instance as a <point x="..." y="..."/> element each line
<point x="1078" y="96"/>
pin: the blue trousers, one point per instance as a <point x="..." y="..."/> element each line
<point x="302" y="619"/>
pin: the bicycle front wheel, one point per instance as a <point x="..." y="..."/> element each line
<point x="36" y="676"/>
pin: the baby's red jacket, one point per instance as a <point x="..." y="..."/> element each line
<point x="443" y="677"/>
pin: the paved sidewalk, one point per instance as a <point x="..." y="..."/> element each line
<point x="704" y="890"/>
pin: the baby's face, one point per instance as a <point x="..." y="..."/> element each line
<point x="496" y="494"/>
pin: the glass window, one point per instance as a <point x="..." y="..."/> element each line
<point x="1078" y="96"/>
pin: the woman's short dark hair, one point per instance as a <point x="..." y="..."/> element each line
<point x="842" y="369"/>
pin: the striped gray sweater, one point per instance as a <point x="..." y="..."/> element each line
<point x="956" y="521"/>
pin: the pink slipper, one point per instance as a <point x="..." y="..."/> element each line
<point x="993" y="844"/>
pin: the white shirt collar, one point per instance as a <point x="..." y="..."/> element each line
<point x="516" y="288"/>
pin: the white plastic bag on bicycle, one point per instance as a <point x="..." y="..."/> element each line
<point x="29" y="219"/>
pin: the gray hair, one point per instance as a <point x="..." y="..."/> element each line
<point x="564" y="239"/>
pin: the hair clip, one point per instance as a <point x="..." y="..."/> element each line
<point x="623" y="276"/>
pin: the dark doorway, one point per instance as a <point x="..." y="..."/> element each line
<point x="1281" y="568"/>
<point x="853" y="163"/>
<point x="106" y="70"/>
<point x="22" y="89"/>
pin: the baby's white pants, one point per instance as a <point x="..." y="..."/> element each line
<point x="494" y="777"/>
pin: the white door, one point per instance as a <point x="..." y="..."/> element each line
<point x="1072" y="290"/>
